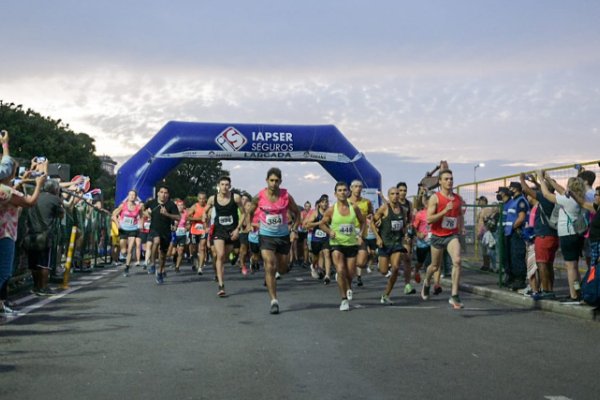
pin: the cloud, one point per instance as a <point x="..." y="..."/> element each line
<point x="311" y="177"/>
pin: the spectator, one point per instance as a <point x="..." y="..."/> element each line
<point x="482" y="213"/>
<point x="11" y="201"/>
<point x="546" y="239"/>
<point x="588" y="178"/>
<point x="42" y="218"/>
<point x="594" y="236"/>
<point x="571" y="242"/>
<point x="515" y="219"/>
<point x="7" y="163"/>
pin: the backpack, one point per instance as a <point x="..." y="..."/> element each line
<point x="552" y="221"/>
<point x="590" y="287"/>
<point x="579" y="224"/>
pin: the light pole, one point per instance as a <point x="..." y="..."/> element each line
<point x="475" y="170"/>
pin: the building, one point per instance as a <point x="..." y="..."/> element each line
<point x="108" y="164"/>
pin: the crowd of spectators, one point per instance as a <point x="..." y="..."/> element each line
<point x="35" y="232"/>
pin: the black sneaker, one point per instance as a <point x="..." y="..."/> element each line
<point x="359" y="281"/>
<point x="327" y="280"/>
<point x="126" y="271"/>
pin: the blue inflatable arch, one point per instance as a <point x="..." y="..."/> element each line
<point x="176" y="141"/>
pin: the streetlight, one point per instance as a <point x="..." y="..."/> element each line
<point x="475" y="170"/>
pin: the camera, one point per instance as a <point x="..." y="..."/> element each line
<point x="21" y="171"/>
<point x="40" y="159"/>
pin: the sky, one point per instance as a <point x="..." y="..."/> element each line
<point x="514" y="85"/>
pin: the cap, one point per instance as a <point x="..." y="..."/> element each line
<point x="503" y="189"/>
<point x="516" y="185"/>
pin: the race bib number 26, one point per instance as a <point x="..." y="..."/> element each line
<point x="450" y="223"/>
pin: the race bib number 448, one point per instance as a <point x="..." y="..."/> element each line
<point x="346" y="229"/>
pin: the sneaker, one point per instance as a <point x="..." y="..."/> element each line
<point x="126" y="271"/>
<point x="408" y="289"/>
<point x="527" y="292"/>
<point x="349" y="294"/>
<point x="345" y="305"/>
<point x="321" y="274"/>
<point x="548" y="295"/>
<point x="570" y="301"/>
<point x="244" y="270"/>
<point x="274" y="307"/>
<point x="327" y="280"/>
<point x="385" y="299"/>
<point x="199" y="271"/>
<point x="46" y="292"/>
<point x="369" y="270"/>
<point x="159" y="278"/>
<point x="359" y="283"/>
<point x="455" y="302"/>
<point x="417" y="277"/>
<point x="389" y="273"/>
<point x="277" y="275"/>
<point x="152" y="270"/>
<point x="425" y="292"/>
<point x="536" y="296"/>
<point x="137" y="264"/>
<point x="437" y="289"/>
<point x="313" y="273"/>
<point x="9" y="312"/>
<point x="144" y="266"/>
<point x="221" y="292"/>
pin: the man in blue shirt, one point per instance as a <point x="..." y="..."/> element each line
<point x="516" y="217"/>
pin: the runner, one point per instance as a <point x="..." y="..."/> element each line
<point x="319" y="244"/>
<point x="391" y="218"/>
<point x="339" y="222"/>
<point x="198" y="230"/>
<point x="423" y="234"/>
<point x="146" y="241"/>
<point x="162" y="213"/>
<point x="302" y="242"/>
<point x="444" y="213"/>
<point x="181" y="233"/>
<point x="128" y="216"/>
<point x="272" y="205"/>
<point x="366" y="209"/>
<point x="227" y="224"/>
<point x="246" y="228"/>
<point x="406" y="256"/>
<point x="253" y="238"/>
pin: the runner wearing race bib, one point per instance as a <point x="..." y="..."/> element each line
<point x="339" y="223"/>
<point x="181" y="232"/>
<point x="199" y="231"/>
<point x="319" y="242"/>
<point x="227" y="225"/>
<point x="366" y="208"/>
<point x="272" y="205"/>
<point x="390" y="234"/>
<point x="128" y="216"/>
<point x="444" y="213"/>
<point x="302" y="242"/>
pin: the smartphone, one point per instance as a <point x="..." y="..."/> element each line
<point x="578" y="167"/>
<point x="21" y="171"/>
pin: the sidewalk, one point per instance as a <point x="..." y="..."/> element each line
<point x="486" y="284"/>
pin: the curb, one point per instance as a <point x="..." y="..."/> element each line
<point x="577" y="311"/>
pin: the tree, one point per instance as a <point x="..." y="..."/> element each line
<point x="32" y="134"/>
<point x="193" y="176"/>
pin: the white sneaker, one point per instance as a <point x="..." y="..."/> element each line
<point x="369" y="270"/>
<point x="349" y="294"/>
<point x="389" y="273"/>
<point x="345" y="305"/>
<point x="277" y="275"/>
<point x="385" y="299"/>
<point x="313" y="273"/>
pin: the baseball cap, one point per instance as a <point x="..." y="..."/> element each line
<point x="516" y="185"/>
<point x="503" y="189"/>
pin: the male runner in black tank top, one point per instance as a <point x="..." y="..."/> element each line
<point x="226" y="226"/>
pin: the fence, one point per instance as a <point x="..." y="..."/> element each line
<point x="92" y="245"/>
<point x="471" y="191"/>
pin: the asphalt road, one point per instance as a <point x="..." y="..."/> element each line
<point x="129" y="338"/>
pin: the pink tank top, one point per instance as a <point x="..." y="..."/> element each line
<point x="273" y="215"/>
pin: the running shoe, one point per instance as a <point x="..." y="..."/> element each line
<point x="437" y="289"/>
<point x="177" y="270"/>
<point x="417" y="277"/>
<point x="313" y="273"/>
<point x="369" y="270"/>
<point x="199" y="271"/>
<point x="425" y="292"/>
<point x="221" y="292"/>
<point x="349" y="294"/>
<point x="144" y="266"/>
<point x="152" y="270"/>
<point x="274" y="307"/>
<point x="126" y="271"/>
<point x="385" y="299"/>
<point x="9" y="312"/>
<point x="46" y="292"/>
<point x="137" y="264"/>
<point x="244" y="270"/>
<point x="389" y="273"/>
<point x="345" y="305"/>
<point x="327" y="280"/>
<point x="408" y="289"/>
<point x="359" y="282"/>
<point x="548" y="295"/>
<point x="536" y="296"/>
<point x="158" y="278"/>
<point x="277" y="275"/>
<point x="455" y="302"/>
<point x="321" y="274"/>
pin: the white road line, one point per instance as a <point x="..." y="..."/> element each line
<point x="75" y="285"/>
